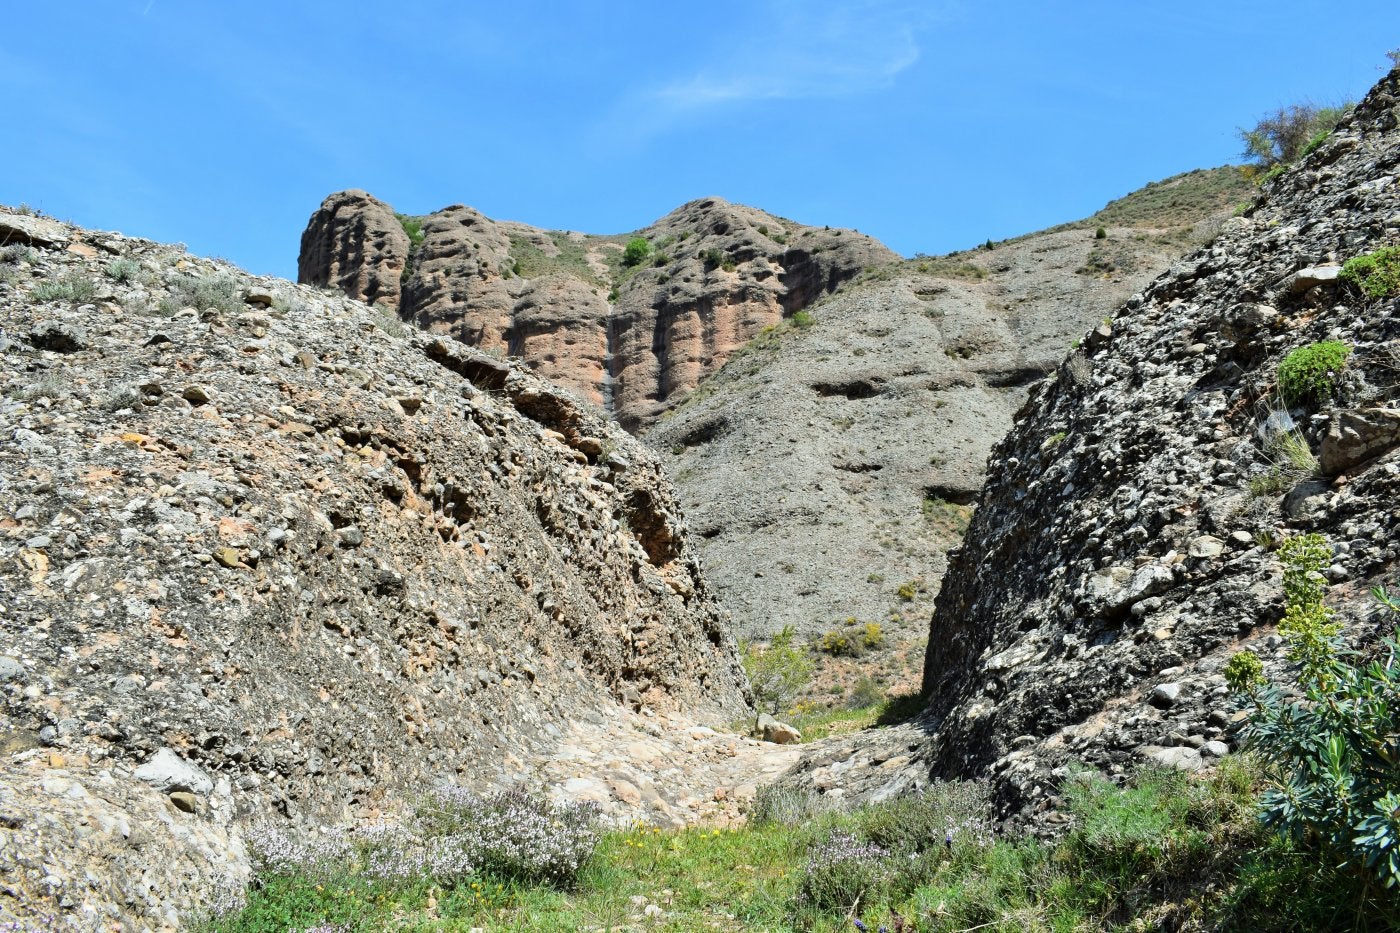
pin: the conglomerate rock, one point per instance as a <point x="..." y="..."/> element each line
<point x="825" y="467"/>
<point x="356" y="244"/>
<point x="1122" y="548"/>
<point x="268" y="553"/>
<point x="634" y="339"/>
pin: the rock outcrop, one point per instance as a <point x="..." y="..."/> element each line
<point x="634" y="339"/>
<point x="354" y="243"/>
<point x="1122" y="548"/>
<point x="828" y="468"/>
<point x="270" y="553"/>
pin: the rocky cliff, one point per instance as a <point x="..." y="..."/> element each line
<point x="828" y="468"/>
<point x="268" y="552"/>
<point x="633" y="337"/>
<point x="1122" y="548"/>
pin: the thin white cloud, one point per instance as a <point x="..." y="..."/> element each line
<point x="805" y="51"/>
<point x="785" y="50"/>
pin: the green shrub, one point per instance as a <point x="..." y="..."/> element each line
<point x="636" y="251"/>
<point x="1336" y="750"/>
<point x="840" y="644"/>
<point x="866" y="692"/>
<point x="786" y="806"/>
<point x="1272" y="483"/>
<point x="871" y="636"/>
<point x="844" y="874"/>
<point x="214" y="292"/>
<point x="1270" y="175"/>
<point x="907" y="591"/>
<point x="1101" y="234"/>
<point x="71" y="286"/>
<point x="412" y="226"/>
<point x="123" y="270"/>
<point x="777" y="673"/>
<point x="1377" y="274"/>
<point x="1309" y="374"/>
<point x="803" y="319"/>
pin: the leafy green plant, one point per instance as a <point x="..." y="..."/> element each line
<point x="636" y="251"/>
<point x="777" y="673"/>
<point x="908" y="590"/>
<point x="803" y="319"/>
<point x="1377" y="273"/>
<point x="1100" y="234"/>
<point x="1335" y="750"/>
<point x="1309" y="374"/>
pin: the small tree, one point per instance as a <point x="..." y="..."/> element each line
<point x="777" y="672"/>
<point x="1281" y="137"/>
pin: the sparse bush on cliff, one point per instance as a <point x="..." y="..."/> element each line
<point x="71" y="286"/>
<point x="1279" y="138"/>
<point x="1309" y="374"/>
<point x="123" y="270"/>
<point x="1377" y="274"/>
<point x="636" y="251"/>
<point x="208" y="292"/>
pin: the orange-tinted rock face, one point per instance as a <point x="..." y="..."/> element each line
<point x="355" y="243"/>
<point x="635" y="340"/>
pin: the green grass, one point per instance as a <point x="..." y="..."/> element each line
<point x="1166" y="850"/>
<point x="1181" y="199"/>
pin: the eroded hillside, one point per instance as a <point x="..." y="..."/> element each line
<point x="266" y="552"/>
<point x="630" y="333"/>
<point x="828" y="468"/>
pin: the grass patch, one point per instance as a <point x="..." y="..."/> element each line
<point x="1164" y="851"/>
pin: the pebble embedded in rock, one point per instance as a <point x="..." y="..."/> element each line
<point x="1164" y="695"/>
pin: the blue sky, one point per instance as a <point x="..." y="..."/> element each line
<point x="931" y="125"/>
